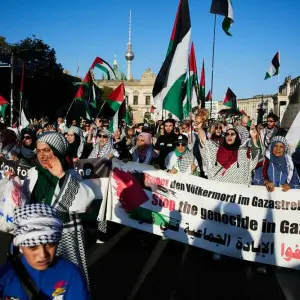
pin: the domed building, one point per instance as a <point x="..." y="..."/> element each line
<point x="119" y="74"/>
<point x="138" y="92"/>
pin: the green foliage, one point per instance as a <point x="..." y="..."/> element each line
<point x="5" y="47"/>
<point x="35" y="51"/>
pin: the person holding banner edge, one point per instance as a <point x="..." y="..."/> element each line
<point x="277" y="168"/>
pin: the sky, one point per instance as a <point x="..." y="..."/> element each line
<point x="79" y="31"/>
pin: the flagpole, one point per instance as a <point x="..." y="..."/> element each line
<point x="69" y="109"/>
<point x="21" y="91"/>
<point x="278" y="76"/>
<point x="100" y="109"/>
<point x="212" y="66"/>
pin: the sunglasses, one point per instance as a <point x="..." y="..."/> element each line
<point x="180" y="144"/>
<point x="27" y="137"/>
<point x="218" y="127"/>
<point x="103" y="136"/>
<point x="230" y="134"/>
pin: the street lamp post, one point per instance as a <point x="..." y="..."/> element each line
<point x="11" y="89"/>
<point x="12" y="65"/>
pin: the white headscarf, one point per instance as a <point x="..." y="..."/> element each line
<point x="37" y="224"/>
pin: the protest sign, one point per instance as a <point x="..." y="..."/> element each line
<point x="235" y="220"/>
<point x="293" y="135"/>
<point x="17" y="167"/>
<point x="95" y="173"/>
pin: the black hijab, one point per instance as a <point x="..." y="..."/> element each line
<point x="237" y="142"/>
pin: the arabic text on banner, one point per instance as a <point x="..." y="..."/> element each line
<point x="235" y="220"/>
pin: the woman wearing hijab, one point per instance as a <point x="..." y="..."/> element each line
<point x="216" y="133"/>
<point x="120" y="145"/>
<point x="277" y="168"/>
<point x="144" y="152"/>
<point x="130" y="139"/>
<point x="27" y="150"/>
<point x="104" y="145"/>
<point x="52" y="183"/>
<point x="76" y="144"/>
<point x="228" y="162"/>
<point x="8" y="143"/>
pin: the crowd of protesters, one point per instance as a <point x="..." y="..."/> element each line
<point x="234" y="151"/>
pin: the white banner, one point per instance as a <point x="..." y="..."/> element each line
<point x="235" y="220"/>
<point x="293" y="135"/>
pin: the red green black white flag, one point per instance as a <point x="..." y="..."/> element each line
<point x="167" y="90"/>
<point x="274" y="67"/>
<point x="230" y="99"/>
<point x="116" y="101"/>
<point x="202" y="86"/>
<point x="223" y="8"/>
<point x="192" y="85"/>
<point x="208" y="96"/>
<point x="105" y="67"/>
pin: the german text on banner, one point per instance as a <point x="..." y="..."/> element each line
<point x="235" y="220"/>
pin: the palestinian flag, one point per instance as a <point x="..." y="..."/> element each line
<point x="86" y="82"/>
<point x="3" y="105"/>
<point x="208" y="96"/>
<point x="24" y="114"/>
<point x="192" y="84"/>
<point x="230" y="99"/>
<point x="187" y="107"/>
<point x="202" y="86"/>
<point x="223" y="8"/>
<point x="105" y="67"/>
<point x="124" y="112"/>
<point x="115" y="100"/>
<point x="274" y="67"/>
<point x="167" y="90"/>
<point x="93" y="100"/>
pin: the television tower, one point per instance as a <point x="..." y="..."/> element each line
<point x="129" y="55"/>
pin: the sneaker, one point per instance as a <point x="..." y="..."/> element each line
<point x="99" y="242"/>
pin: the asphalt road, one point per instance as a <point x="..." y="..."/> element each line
<point x="137" y="265"/>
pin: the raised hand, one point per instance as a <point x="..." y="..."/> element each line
<point x="55" y="167"/>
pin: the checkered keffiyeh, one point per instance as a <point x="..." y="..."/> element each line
<point x="37" y="224"/>
<point x="56" y="140"/>
<point x="280" y="139"/>
<point x="76" y="130"/>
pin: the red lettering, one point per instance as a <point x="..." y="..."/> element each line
<point x="155" y="199"/>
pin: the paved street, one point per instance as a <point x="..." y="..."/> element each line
<point x="138" y="265"/>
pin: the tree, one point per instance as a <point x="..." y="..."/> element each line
<point x="35" y="51"/>
<point x="5" y="47"/>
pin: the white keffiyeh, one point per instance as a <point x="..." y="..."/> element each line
<point x="37" y="224"/>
